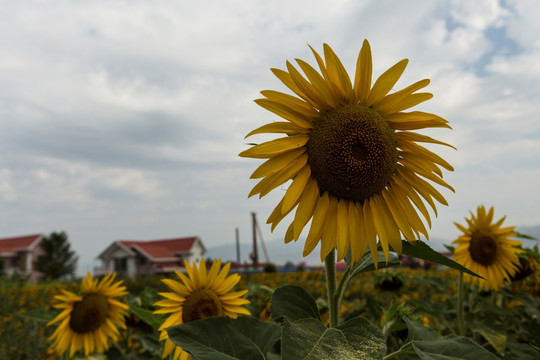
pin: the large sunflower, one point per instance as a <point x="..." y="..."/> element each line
<point x="200" y="295"/>
<point x="91" y="319"/>
<point x="358" y="171"/>
<point x="486" y="249"/>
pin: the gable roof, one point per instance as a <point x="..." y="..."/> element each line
<point x="159" y="250"/>
<point x="11" y="245"/>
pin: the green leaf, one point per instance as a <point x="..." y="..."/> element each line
<point x="421" y="250"/>
<point x="311" y="339"/>
<point x="146" y="316"/>
<point x="523" y="236"/>
<point x="293" y="303"/>
<point x="450" y="248"/>
<point x="495" y="339"/>
<point x="217" y="338"/>
<point x="451" y="348"/>
<point x="38" y="315"/>
<point x="429" y="345"/>
<point x="366" y="263"/>
<point x="420" y="332"/>
<point x="517" y="350"/>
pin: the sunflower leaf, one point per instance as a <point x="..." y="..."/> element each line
<point x="311" y="339"/>
<point x="146" y="316"/>
<point x="366" y="263"/>
<point x="524" y="236"/>
<point x="218" y="338"/>
<point x="38" y="315"/>
<point x="422" y="251"/>
<point x="428" y="345"/>
<point x="292" y="303"/>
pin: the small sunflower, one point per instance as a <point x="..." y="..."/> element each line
<point x="200" y="295"/>
<point x="358" y="170"/>
<point x="486" y="249"/>
<point x="91" y="319"/>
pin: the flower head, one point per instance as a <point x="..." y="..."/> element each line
<point x="90" y="320"/>
<point x="358" y="171"/>
<point x="486" y="249"/>
<point x="198" y="296"/>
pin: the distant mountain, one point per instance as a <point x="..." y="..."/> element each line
<point x="281" y="253"/>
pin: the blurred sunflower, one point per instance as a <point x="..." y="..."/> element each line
<point x="358" y="171"/>
<point x="91" y="319"/>
<point x="200" y="295"/>
<point x="486" y="249"/>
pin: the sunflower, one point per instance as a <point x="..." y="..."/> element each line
<point x="91" y="319"/>
<point x="358" y="171"/>
<point x="486" y="249"/>
<point x="200" y="295"/>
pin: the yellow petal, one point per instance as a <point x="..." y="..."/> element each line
<point x="287" y="79"/>
<point x="307" y="88"/>
<point x="277" y="163"/>
<point x="275" y="147"/>
<point x="407" y="103"/>
<point x="317" y="224"/>
<point x="320" y="85"/>
<point x="370" y="231"/>
<point x="279" y="127"/>
<point x="292" y="102"/>
<point x="271" y="182"/>
<point x="306" y="206"/>
<point x="364" y="69"/>
<point x="386" y="82"/>
<point x="299" y="119"/>
<point x="329" y="231"/>
<point x="343" y="225"/>
<point x="296" y="189"/>
<point x="337" y="73"/>
<point x="358" y="241"/>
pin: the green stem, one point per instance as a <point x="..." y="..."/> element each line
<point x="330" y="264"/>
<point x="460" y="316"/>
<point x="342" y="285"/>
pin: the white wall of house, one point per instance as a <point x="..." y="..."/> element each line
<point x="197" y="252"/>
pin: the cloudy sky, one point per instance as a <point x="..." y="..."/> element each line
<point x="123" y="119"/>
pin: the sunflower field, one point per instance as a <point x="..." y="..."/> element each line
<point x="396" y="300"/>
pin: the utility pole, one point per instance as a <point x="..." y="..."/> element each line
<point x="238" y="260"/>
<point x="254" y="256"/>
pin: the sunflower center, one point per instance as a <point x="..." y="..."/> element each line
<point x="201" y="304"/>
<point x="483" y="248"/>
<point x="89" y="314"/>
<point x="352" y="152"/>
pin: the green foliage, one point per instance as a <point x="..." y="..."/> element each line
<point x="305" y="336"/>
<point x="425" y="344"/>
<point x="293" y="303"/>
<point x="38" y="315"/>
<point x="58" y="260"/>
<point x="216" y="338"/>
<point x="422" y="251"/>
<point x="366" y="263"/>
<point x="270" y="268"/>
<point x="388" y="280"/>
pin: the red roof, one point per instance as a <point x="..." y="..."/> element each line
<point x="161" y="249"/>
<point x="13" y="244"/>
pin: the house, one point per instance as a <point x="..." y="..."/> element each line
<point x="131" y="257"/>
<point x="17" y="255"/>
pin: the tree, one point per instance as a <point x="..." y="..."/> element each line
<point x="58" y="260"/>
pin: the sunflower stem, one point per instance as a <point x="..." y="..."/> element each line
<point x="330" y="264"/>
<point x="342" y="285"/>
<point x="460" y="316"/>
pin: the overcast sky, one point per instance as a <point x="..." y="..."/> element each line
<point x="123" y="119"/>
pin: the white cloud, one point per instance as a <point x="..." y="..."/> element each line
<point x="125" y="118"/>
